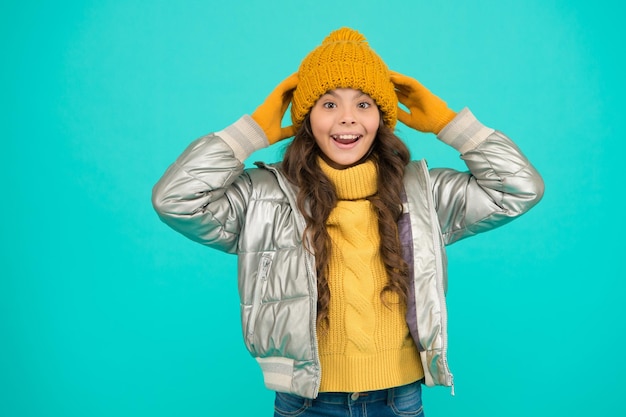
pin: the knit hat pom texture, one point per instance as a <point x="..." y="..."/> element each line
<point x="344" y="60"/>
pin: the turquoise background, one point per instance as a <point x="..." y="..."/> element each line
<point x="104" y="311"/>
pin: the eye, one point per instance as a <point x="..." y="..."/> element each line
<point x="364" y="105"/>
<point x="329" y="105"/>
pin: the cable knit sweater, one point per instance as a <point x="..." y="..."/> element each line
<point x="367" y="345"/>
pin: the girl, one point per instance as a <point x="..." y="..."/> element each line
<point x="342" y="268"/>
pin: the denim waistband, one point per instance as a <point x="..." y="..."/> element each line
<point x="369" y="396"/>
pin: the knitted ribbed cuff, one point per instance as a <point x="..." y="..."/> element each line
<point x="244" y="136"/>
<point x="464" y="132"/>
<point x="443" y="119"/>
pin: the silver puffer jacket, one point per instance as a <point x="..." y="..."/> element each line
<point x="208" y="196"/>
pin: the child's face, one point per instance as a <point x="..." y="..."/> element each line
<point x="344" y="122"/>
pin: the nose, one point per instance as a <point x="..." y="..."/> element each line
<point x="347" y="117"/>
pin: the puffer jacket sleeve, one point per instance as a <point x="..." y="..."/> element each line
<point x="501" y="183"/>
<point x="204" y="193"/>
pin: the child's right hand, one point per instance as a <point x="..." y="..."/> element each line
<point x="269" y="115"/>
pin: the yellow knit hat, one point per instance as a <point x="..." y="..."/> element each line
<point x="344" y="60"/>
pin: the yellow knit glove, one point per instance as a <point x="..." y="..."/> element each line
<point x="269" y="115"/>
<point x="428" y="113"/>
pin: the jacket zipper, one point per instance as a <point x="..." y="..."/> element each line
<point x="314" y="320"/>
<point x="440" y="291"/>
<point x="310" y="271"/>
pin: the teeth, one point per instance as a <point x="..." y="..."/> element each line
<point x="346" y="137"/>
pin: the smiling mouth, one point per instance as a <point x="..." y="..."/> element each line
<point x="345" y="139"/>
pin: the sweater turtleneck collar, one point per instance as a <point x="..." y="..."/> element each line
<point x="353" y="183"/>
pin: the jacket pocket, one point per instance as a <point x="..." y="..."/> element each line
<point x="260" y="286"/>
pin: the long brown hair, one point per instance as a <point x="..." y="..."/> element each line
<point x="316" y="198"/>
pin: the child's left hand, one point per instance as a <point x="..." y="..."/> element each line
<point x="428" y="113"/>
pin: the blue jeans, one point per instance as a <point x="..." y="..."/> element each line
<point x="399" y="401"/>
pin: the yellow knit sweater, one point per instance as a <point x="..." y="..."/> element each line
<point x="367" y="345"/>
